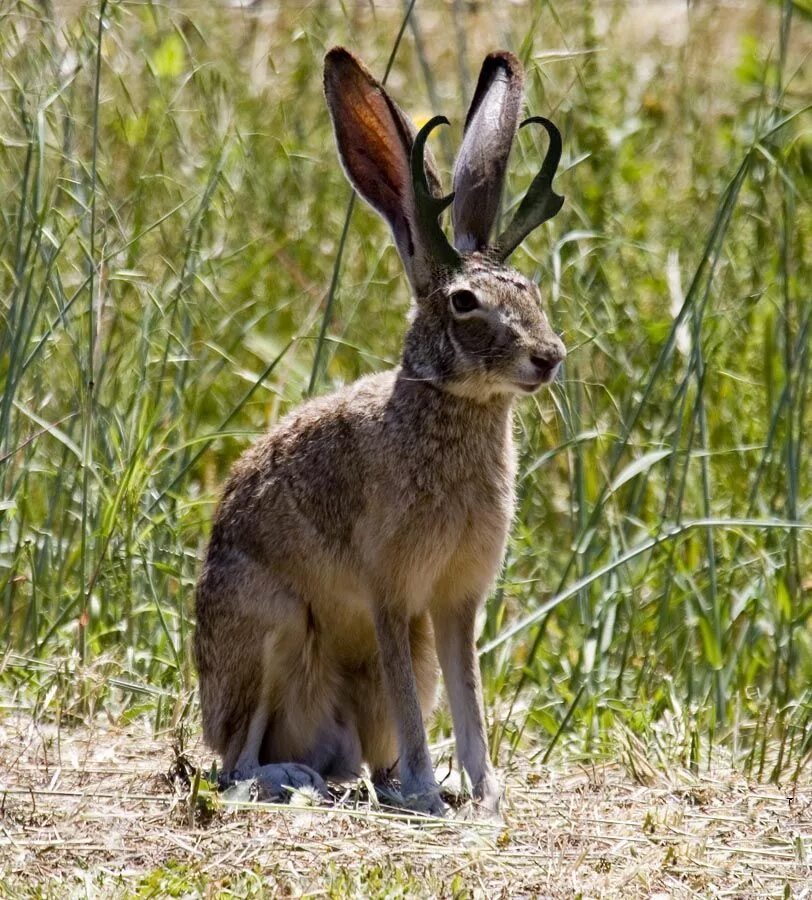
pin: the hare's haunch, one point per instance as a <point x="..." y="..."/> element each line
<point x="355" y="543"/>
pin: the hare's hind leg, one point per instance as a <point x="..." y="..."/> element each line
<point x="273" y="779"/>
<point x="243" y="621"/>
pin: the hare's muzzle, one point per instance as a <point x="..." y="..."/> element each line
<point x="545" y="362"/>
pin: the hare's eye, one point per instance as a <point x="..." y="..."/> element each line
<point x="464" y="301"/>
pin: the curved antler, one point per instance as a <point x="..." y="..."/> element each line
<point x="540" y="203"/>
<point x="428" y="207"/>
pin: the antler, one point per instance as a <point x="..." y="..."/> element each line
<point x="428" y="207"/>
<point x="540" y="203"/>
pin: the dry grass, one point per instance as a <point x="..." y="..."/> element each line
<point x="91" y="811"/>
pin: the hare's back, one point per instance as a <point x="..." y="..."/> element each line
<point x="305" y="480"/>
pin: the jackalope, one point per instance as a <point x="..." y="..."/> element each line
<point x="354" y="544"/>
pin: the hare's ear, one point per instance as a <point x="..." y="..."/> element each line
<point x="490" y="126"/>
<point x="375" y="141"/>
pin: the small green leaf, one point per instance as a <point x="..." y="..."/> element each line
<point x="782" y="599"/>
<point x="713" y="652"/>
<point x="168" y="60"/>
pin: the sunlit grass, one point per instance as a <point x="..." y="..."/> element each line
<point x="167" y="250"/>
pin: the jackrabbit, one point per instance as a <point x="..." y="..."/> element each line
<point x="355" y="543"/>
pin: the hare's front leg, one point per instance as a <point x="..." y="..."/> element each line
<point x="454" y="634"/>
<point x="418" y="784"/>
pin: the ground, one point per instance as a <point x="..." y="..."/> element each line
<point x="105" y="811"/>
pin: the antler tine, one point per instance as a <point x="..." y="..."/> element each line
<point x="540" y="203"/>
<point x="428" y="207"/>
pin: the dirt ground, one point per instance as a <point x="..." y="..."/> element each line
<point x="103" y="811"/>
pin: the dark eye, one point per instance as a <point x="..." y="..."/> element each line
<point x="464" y="301"/>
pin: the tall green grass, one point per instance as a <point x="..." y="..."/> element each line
<point x="176" y="272"/>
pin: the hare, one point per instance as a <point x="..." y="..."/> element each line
<point x="354" y="544"/>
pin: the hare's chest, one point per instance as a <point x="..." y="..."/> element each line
<point x="477" y="535"/>
<point x="454" y="541"/>
<point x="437" y="518"/>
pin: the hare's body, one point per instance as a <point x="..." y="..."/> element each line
<point x="388" y="492"/>
<point x="355" y="543"/>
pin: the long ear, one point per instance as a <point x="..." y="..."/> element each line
<point x="490" y="126"/>
<point x="375" y="141"/>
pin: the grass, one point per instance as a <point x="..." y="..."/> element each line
<point x="176" y="272"/>
<point x="105" y="821"/>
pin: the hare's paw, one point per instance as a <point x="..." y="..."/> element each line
<point x="487" y="796"/>
<point x="429" y="802"/>
<point x="275" y="781"/>
<point x="425" y="800"/>
<point x="279" y="779"/>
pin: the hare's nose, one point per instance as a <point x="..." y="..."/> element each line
<point x="548" y="358"/>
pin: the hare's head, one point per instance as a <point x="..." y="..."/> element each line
<point x="478" y="327"/>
